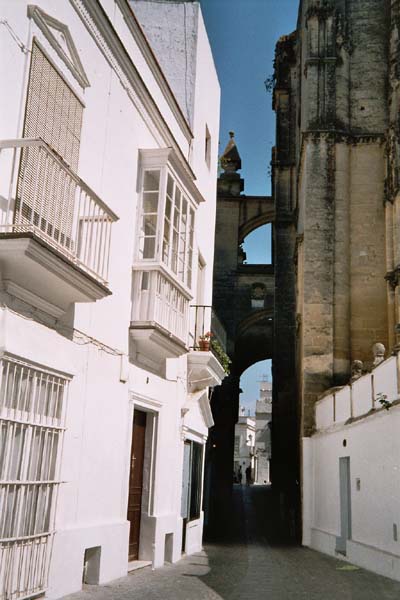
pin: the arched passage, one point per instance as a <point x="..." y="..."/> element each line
<point x="243" y="297"/>
<point x="253" y="341"/>
<point x="256" y="212"/>
<point x="257" y="246"/>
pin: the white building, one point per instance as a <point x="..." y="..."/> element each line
<point x="244" y="444"/>
<point x="107" y="200"/>
<point x="263" y="433"/>
<point x="351" y="472"/>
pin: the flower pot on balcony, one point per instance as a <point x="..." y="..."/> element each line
<point x="204" y="345"/>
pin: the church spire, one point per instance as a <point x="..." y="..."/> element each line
<point x="230" y="182"/>
<point x="230" y="159"/>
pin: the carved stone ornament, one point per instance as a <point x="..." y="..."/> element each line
<point x="378" y="351"/>
<point x="356" y="369"/>
<point x="392" y="169"/>
<point x="393" y="277"/>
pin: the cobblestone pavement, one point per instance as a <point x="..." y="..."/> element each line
<point x="248" y="566"/>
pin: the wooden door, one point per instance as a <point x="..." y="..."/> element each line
<point x="136" y="482"/>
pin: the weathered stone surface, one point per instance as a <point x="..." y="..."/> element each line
<point x="333" y="112"/>
<point x="336" y="190"/>
<point x="243" y="297"/>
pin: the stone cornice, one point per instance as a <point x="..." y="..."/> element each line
<point x="163" y="156"/>
<point x="341" y="136"/>
<point x="107" y="40"/>
<point x="151" y="60"/>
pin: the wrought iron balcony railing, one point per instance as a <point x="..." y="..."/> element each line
<point x="40" y="195"/>
<point x="203" y="318"/>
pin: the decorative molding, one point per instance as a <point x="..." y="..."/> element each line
<point x="340" y="136"/>
<point x="25" y="361"/>
<point x="206" y="409"/>
<point x="200" y="398"/>
<point x="49" y="26"/>
<point x="106" y="38"/>
<point x="25" y="295"/>
<point x="31" y="246"/>
<point x="161" y="157"/>
<point x="191" y="434"/>
<point x="151" y="60"/>
<point x="204" y="370"/>
<point x="145" y="402"/>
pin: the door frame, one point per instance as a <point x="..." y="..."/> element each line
<point x="344" y="505"/>
<point x="152" y="409"/>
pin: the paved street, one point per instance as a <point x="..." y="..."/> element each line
<point x="249" y="566"/>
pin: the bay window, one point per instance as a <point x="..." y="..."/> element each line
<point x="162" y="278"/>
<point x="166" y="215"/>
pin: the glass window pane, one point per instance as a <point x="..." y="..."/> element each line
<point x="184" y="209"/>
<point x="150" y="202"/>
<point x="151" y="181"/>
<point x="145" y="280"/>
<point x="167" y="229"/>
<point x="168" y="206"/>
<point x="149" y="247"/>
<point x="174" y="251"/>
<point x="170" y="186"/>
<point x="181" y="269"/>
<point x="196" y="483"/>
<point x="165" y="252"/>
<point x="178" y="200"/>
<point x="150" y="224"/>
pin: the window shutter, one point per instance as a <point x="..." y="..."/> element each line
<point x="53" y="113"/>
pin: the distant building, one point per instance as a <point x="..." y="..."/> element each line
<point x="244" y="444"/>
<point x="262" y="446"/>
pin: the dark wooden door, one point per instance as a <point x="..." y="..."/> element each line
<point x="136" y="482"/>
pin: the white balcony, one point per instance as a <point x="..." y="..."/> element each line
<point x="160" y="317"/>
<point x="204" y="370"/>
<point x="55" y="231"/>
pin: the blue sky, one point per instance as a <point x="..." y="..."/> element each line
<point x="243" y="34"/>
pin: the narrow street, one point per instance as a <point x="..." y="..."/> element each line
<point x="250" y="565"/>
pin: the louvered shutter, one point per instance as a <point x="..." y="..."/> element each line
<point x="53" y="113"/>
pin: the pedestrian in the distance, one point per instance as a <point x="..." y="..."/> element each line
<point x="248" y="475"/>
<point x="240" y="475"/>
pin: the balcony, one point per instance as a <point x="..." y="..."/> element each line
<point x="204" y="366"/>
<point x="55" y="232"/>
<point x="160" y="317"/>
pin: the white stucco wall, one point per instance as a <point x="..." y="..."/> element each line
<point x="370" y="439"/>
<point x="92" y="502"/>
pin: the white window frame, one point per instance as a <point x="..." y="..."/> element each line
<point x="166" y="162"/>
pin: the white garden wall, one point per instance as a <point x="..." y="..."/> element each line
<point x="350" y="422"/>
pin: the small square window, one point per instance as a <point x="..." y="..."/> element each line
<point x="207" y="148"/>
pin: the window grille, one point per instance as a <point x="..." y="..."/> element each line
<point x="32" y="409"/>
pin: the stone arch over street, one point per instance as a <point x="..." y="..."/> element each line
<point x="243" y="299"/>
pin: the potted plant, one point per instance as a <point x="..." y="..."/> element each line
<point x="221" y="356"/>
<point x="205" y="341"/>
